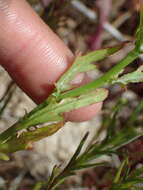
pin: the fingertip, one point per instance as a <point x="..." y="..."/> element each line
<point x="83" y="114"/>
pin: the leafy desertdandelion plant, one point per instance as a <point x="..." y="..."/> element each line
<point x="65" y="99"/>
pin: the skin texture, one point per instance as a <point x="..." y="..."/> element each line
<point x="33" y="55"/>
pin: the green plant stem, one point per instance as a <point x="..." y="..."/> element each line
<point x="103" y="79"/>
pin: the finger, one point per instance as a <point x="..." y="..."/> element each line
<point x="32" y="54"/>
<point x="83" y="114"/>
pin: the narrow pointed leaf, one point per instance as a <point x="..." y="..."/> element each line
<point x="84" y="166"/>
<point x="76" y="154"/>
<point x="38" y="186"/>
<point x="134" y="77"/>
<point x="139" y="42"/>
<point x="125" y="136"/>
<point x="69" y="104"/>
<point x="4" y="157"/>
<point x="83" y="64"/>
<point x="120" y="170"/>
<point x="25" y="140"/>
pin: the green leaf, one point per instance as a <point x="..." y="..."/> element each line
<point x="52" y="112"/>
<point x="125" y="136"/>
<point x="4" y="157"/>
<point x="80" y="65"/>
<point x="76" y="154"/>
<point x="83" y="64"/>
<point x="136" y="177"/>
<point x="139" y="42"/>
<point x="134" y="77"/>
<point x="110" y="122"/>
<point x="84" y="166"/>
<point x="104" y="79"/>
<point x="38" y="186"/>
<point x="69" y="104"/>
<point x="120" y="170"/>
<point x="55" y="172"/>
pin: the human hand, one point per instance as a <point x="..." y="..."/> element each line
<point x="33" y="55"/>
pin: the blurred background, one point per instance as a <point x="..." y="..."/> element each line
<point x="84" y="25"/>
